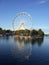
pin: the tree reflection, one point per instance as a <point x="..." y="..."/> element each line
<point x="23" y="47"/>
<point x="39" y="41"/>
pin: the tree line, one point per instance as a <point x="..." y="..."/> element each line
<point x="4" y="32"/>
<point x="30" y="33"/>
<point x="25" y="32"/>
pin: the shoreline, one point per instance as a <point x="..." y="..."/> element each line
<point x="28" y="37"/>
<point x="20" y="36"/>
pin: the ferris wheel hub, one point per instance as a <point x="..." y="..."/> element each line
<point x="21" y="27"/>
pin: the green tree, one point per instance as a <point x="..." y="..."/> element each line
<point x="0" y="28"/>
<point x="40" y="32"/>
<point x="34" y="32"/>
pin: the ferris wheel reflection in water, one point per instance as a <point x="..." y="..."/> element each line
<point x="22" y="49"/>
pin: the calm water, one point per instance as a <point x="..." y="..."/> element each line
<point x="16" y="51"/>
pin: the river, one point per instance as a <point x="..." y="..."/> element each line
<point x="16" y="51"/>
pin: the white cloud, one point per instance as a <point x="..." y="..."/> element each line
<point x="43" y="1"/>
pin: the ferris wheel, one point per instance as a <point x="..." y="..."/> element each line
<point x="22" y="20"/>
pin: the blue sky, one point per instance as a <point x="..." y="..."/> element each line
<point x="39" y="9"/>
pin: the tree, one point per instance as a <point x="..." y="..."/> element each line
<point x="34" y="32"/>
<point x="0" y="28"/>
<point x="40" y="32"/>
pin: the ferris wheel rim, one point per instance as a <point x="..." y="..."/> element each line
<point x="20" y="13"/>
